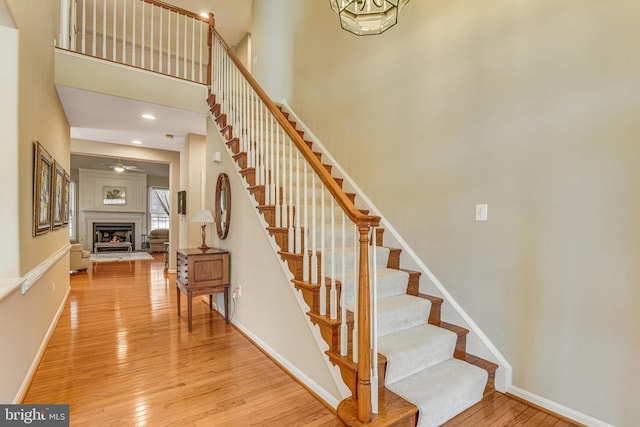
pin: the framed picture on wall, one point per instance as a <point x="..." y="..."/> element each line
<point x="67" y="181"/>
<point x="57" y="196"/>
<point x="182" y="202"/>
<point x="114" y="196"/>
<point x="42" y="176"/>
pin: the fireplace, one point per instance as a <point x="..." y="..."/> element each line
<point x="106" y="232"/>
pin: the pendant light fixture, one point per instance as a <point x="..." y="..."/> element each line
<point x="367" y="17"/>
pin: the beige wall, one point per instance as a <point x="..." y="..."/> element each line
<point x="192" y="169"/>
<point x="26" y="318"/>
<point x="243" y="51"/>
<point x="157" y="181"/>
<point x="273" y="50"/>
<point x="530" y="106"/>
<point x="10" y="260"/>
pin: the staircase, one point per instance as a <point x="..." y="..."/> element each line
<point x="420" y="374"/>
<point x="426" y="376"/>
<point x="402" y="363"/>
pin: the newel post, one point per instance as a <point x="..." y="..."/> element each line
<point x="212" y="26"/>
<point x="364" y="332"/>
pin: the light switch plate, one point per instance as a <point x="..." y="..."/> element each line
<point x="482" y="212"/>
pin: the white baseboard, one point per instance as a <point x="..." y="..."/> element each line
<point x="556" y="407"/>
<point x="285" y="364"/>
<point x="22" y="391"/>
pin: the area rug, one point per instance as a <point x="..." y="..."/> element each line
<point x="120" y="256"/>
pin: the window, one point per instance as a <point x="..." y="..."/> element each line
<point x="72" y="210"/>
<point x="158" y="208"/>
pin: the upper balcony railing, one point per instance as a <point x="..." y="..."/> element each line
<point x="147" y="34"/>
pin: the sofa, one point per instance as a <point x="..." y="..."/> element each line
<point x="78" y="257"/>
<point x="157" y="239"/>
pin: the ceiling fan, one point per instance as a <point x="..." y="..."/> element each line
<point x="120" y="167"/>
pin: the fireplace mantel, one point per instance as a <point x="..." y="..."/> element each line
<point x="91" y="206"/>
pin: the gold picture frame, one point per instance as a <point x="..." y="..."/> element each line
<point x="67" y="181"/>
<point x="42" y="175"/>
<point x="57" y="196"/>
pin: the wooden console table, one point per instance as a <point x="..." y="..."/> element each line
<point x="202" y="272"/>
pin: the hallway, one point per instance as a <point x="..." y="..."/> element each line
<point x="120" y="355"/>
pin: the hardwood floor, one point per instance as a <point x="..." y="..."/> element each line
<point x="497" y="409"/>
<point x="120" y="356"/>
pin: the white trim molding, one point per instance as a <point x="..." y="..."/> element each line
<point x="32" y="277"/>
<point x="556" y="407"/>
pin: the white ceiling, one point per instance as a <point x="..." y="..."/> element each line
<point x="105" y="163"/>
<point x="98" y="117"/>
<point x="105" y="118"/>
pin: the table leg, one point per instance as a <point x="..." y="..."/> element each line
<point x="189" y="298"/>
<point x="226" y="305"/>
<point x="210" y="302"/>
<point x="178" y="290"/>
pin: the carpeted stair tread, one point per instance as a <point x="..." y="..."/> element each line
<point x="350" y="253"/>
<point x="443" y="390"/>
<point x="401" y="312"/>
<point x="390" y="282"/>
<point x="413" y="349"/>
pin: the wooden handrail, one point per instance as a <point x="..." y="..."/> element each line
<point x="345" y="203"/>
<point x="177" y="10"/>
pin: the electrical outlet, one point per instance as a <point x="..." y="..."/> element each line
<point x="239" y="290"/>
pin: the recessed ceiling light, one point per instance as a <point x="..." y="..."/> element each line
<point x="169" y="136"/>
<point x="137" y="142"/>
<point x="149" y="116"/>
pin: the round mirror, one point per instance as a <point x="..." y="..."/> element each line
<point x="223" y="205"/>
